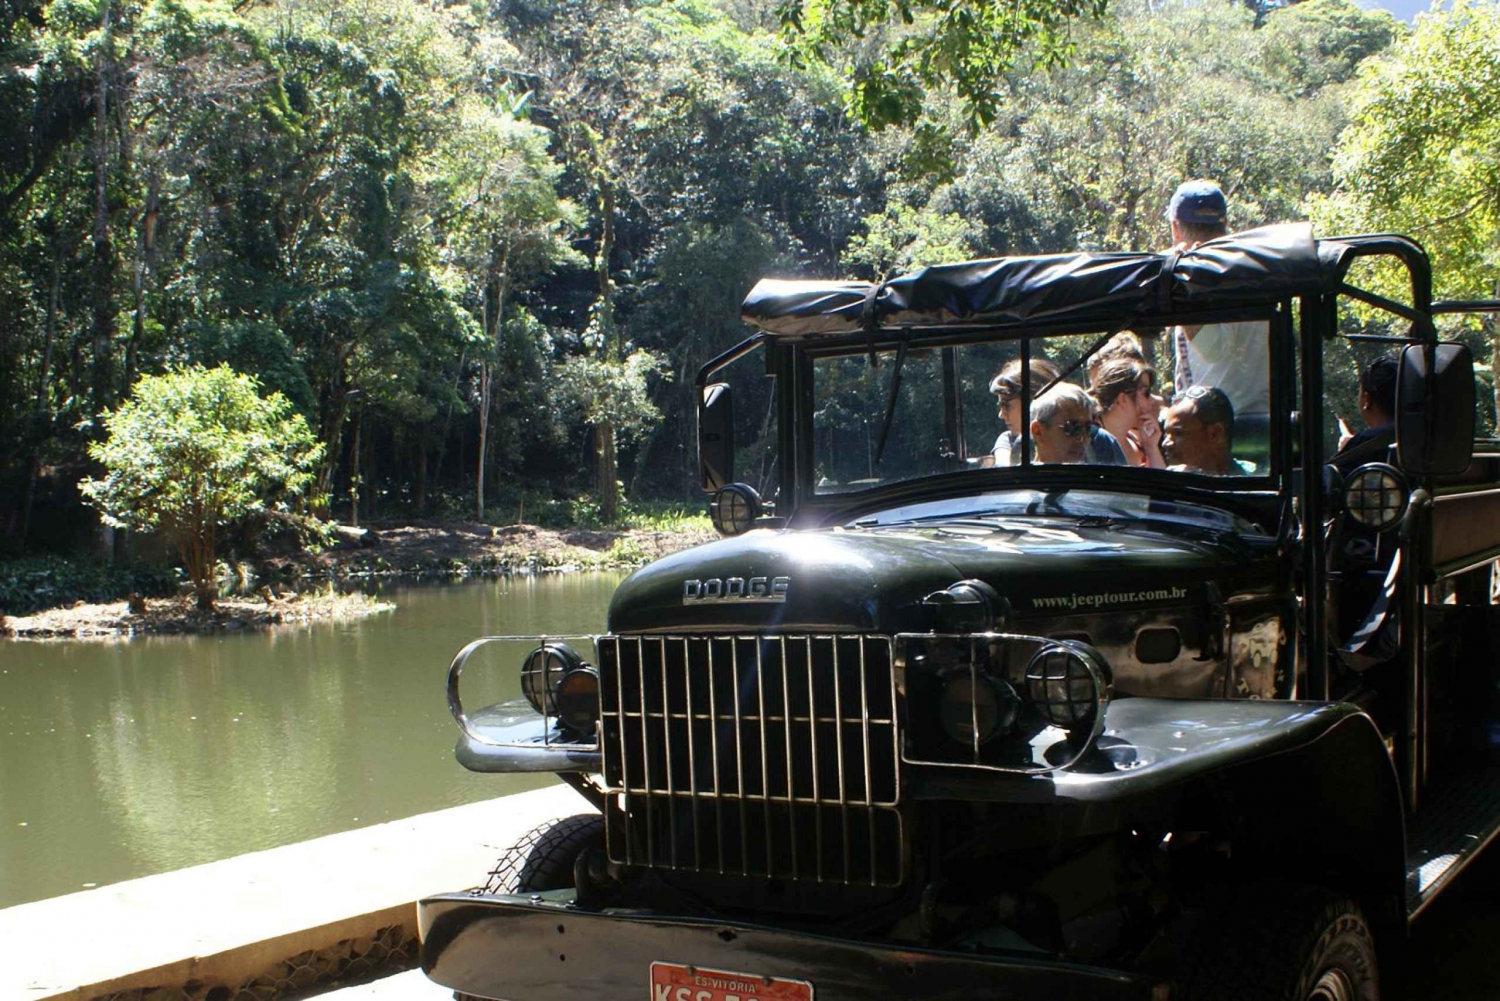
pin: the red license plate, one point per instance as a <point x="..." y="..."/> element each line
<point x="674" y="982"/>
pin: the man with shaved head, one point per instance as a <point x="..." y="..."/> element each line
<point x="1198" y="431"/>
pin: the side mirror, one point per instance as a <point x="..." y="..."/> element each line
<point x="1435" y="409"/>
<point x="716" y="437"/>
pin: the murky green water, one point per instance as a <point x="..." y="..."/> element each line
<point x="119" y="760"/>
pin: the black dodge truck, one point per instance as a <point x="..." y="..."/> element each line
<point x="949" y="719"/>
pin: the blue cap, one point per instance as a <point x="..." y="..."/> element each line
<point x="1200" y="203"/>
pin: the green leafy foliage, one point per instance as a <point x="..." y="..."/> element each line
<point x="194" y="450"/>
<point x="38" y="582"/>
<point x="921" y="45"/>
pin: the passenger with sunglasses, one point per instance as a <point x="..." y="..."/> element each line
<point x="1062" y="422"/>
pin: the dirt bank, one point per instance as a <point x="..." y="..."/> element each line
<point x="460" y="548"/>
<point x="179" y="615"/>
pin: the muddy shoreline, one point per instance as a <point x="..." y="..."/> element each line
<point x="180" y="616"/>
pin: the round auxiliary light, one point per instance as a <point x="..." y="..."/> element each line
<point x="543" y="670"/>
<point x="1375" y="495"/>
<point x="1068" y="684"/>
<point x="734" y="509"/>
<point x="973" y="710"/>
<point x="577" y="699"/>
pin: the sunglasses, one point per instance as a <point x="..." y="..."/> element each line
<point x="1072" y="428"/>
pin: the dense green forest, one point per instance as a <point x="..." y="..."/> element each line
<point x="483" y="245"/>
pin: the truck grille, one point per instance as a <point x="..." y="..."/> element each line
<point x="771" y="756"/>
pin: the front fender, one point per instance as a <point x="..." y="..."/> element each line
<point x="1306" y="789"/>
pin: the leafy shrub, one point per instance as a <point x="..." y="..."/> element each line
<point x="194" y="450"/>
<point x="29" y="585"/>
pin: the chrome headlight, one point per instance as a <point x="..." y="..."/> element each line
<point x="734" y="509"/>
<point x="543" y="671"/>
<point x="1068" y="684"/>
<point x="577" y="699"/>
<point x="1375" y="495"/>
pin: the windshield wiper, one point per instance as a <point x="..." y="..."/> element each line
<point x="890" y="400"/>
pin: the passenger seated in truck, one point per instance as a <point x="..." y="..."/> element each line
<point x="1127" y="408"/>
<point x="1060" y="422"/>
<point x="1198" y="431"/>
<point x="1377" y="407"/>
<point x="1007" y="389"/>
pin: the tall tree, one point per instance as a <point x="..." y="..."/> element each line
<point x="1422" y="153"/>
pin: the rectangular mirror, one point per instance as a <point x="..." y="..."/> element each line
<point x="1435" y="409"/>
<point x="716" y="437"/>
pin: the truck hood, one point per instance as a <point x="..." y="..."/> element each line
<point x="874" y="579"/>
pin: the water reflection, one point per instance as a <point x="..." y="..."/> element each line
<point x="119" y="760"/>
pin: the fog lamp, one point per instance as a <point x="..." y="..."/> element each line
<point x="1068" y="684"/>
<point x="734" y="509"/>
<point x="578" y="699"/>
<point x="974" y="708"/>
<point x="543" y="671"/>
<point x="1375" y="495"/>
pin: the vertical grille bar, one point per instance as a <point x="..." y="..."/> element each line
<point x="838" y="731"/>
<point x="666" y="730"/>
<point x="713" y="743"/>
<point x="864" y="719"/>
<point x="739" y="759"/>
<point x="812" y="729"/>
<point x="687" y="680"/>
<point x="765" y="766"/>
<point x="619" y="687"/>
<point x="786" y="727"/>
<point x="640" y="666"/>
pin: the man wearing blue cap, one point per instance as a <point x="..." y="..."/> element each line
<point x="1234" y="357"/>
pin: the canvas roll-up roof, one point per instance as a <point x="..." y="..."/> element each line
<point x="1243" y="269"/>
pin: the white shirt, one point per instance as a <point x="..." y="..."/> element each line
<point x="1235" y="357"/>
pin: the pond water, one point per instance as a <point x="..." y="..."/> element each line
<point x="129" y="758"/>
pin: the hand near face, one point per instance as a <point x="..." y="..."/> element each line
<point x="1150" y="432"/>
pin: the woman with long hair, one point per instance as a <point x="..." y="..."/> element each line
<point x="1122" y="387"/>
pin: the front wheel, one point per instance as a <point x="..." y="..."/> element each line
<point x="543" y="858"/>
<point x="1289" y="943"/>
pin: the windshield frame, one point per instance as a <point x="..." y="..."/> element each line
<point x="826" y="507"/>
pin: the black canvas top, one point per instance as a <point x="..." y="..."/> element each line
<point x="1255" y="267"/>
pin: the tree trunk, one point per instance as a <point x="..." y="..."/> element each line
<point x="103" y="261"/>
<point x="422" y="475"/>
<point x="485" y="372"/>
<point x="359" y="426"/>
<point x="604" y="457"/>
<point x="34" y="467"/>
<point x="500" y="277"/>
<point x="144" y="248"/>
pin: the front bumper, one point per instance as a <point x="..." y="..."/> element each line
<point x="531" y="949"/>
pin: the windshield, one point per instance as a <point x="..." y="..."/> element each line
<point x="1063" y="504"/>
<point x="1182" y="400"/>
